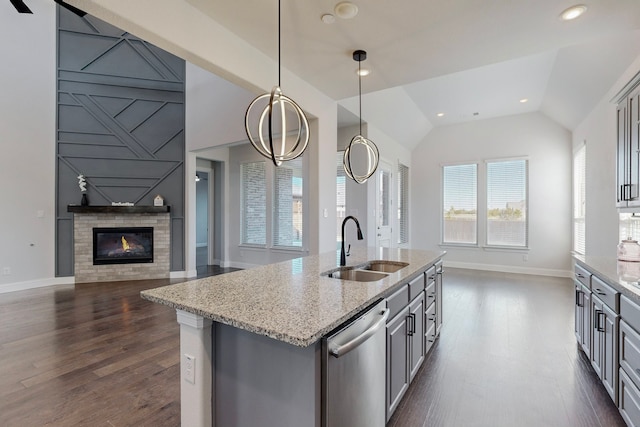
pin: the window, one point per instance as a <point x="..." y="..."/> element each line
<point x="403" y="203"/>
<point x="287" y="204"/>
<point x="254" y="202"/>
<point x="459" y="209"/>
<point x="341" y="194"/>
<point x="507" y="203"/>
<point x="579" y="199"/>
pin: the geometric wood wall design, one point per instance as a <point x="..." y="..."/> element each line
<point x="120" y="123"/>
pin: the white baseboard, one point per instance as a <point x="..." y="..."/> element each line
<point x="184" y="274"/>
<point x="32" y="284"/>
<point x="509" y="269"/>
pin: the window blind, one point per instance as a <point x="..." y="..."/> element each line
<point x="459" y="209"/>
<point x="507" y="203"/>
<point x="579" y="199"/>
<point x="254" y="203"/>
<point x="287" y="204"/>
<point x="403" y="203"/>
<point x="341" y="194"/>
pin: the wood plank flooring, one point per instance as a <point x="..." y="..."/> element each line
<point x="99" y="355"/>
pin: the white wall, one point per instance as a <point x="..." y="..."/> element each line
<point x="598" y="129"/>
<point x="27" y="137"/>
<point x="546" y="144"/>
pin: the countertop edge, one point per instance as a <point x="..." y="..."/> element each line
<point x="609" y="270"/>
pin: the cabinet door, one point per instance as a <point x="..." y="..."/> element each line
<point x="578" y="310"/>
<point x="634" y="149"/>
<point x="430" y="325"/>
<point x="609" y="375"/>
<point x="622" y="157"/>
<point x="597" y="341"/>
<point x="586" y="321"/>
<point x="397" y="360"/>
<point x="439" y="273"/>
<point x="416" y="335"/>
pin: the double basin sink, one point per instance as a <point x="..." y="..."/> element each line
<point x="370" y="271"/>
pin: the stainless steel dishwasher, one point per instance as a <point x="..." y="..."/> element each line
<point x="353" y="371"/>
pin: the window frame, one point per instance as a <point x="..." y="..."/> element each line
<point x="305" y="208"/>
<point x="243" y="217"/>
<point x="582" y="148"/>
<point x="403" y="204"/>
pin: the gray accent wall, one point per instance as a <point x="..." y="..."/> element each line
<point x="120" y="122"/>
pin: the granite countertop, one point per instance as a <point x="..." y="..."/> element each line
<point x="291" y="301"/>
<point x="623" y="276"/>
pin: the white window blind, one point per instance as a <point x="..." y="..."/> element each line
<point x="507" y="203"/>
<point x="254" y="203"/>
<point x="459" y="209"/>
<point x="288" y="204"/>
<point x="579" y="199"/>
<point x="341" y="194"/>
<point x="403" y="203"/>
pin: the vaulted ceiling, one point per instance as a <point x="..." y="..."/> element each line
<point x="468" y="59"/>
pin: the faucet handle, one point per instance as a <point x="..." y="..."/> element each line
<point x="348" y="250"/>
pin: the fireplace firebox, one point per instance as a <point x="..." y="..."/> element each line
<point x="122" y="245"/>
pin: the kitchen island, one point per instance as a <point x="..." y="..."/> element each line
<point x="250" y="340"/>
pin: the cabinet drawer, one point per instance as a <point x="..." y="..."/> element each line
<point x="430" y="328"/>
<point x="430" y="294"/>
<point x="582" y="276"/>
<point x="398" y="300"/>
<point x="630" y="312"/>
<point x="606" y="293"/>
<point x="629" y="400"/>
<point x="416" y="286"/>
<point x="630" y="352"/>
<point x="430" y="274"/>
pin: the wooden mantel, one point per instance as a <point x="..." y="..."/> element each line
<point x="118" y="209"/>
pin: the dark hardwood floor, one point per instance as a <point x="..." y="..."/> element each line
<point x="99" y="355"/>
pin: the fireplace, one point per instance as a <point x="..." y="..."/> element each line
<point x="122" y="245"/>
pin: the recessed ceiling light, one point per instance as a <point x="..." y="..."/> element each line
<point x="573" y="12"/>
<point x="345" y="10"/>
<point x="328" y="18"/>
<point x="440" y="114"/>
<point x="363" y="72"/>
<point x="524" y="100"/>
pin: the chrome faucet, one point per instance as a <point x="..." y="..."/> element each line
<point x="343" y="255"/>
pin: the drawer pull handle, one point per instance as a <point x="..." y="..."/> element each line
<point x="599" y="291"/>
<point x="579" y="276"/>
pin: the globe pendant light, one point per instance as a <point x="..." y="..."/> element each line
<point x="278" y="110"/>
<point x="372" y="150"/>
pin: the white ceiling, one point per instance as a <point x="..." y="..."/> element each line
<point x="458" y="57"/>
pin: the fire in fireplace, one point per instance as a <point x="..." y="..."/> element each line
<point x="122" y="245"/>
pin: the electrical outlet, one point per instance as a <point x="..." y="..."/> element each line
<point x="190" y="368"/>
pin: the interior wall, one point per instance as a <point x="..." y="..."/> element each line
<point x="599" y="130"/>
<point x="546" y="144"/>
<point x="27" y="135"/>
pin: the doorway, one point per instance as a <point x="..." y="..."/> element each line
<point x="384" y="202"/>
<point x="203" y="213"/>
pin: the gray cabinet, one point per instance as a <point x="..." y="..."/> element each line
<point x="628" y="151"/>
<point x="629" y="357"/>
<point x="583" y="317"/>
<point x="410" y="333"/>
<point x="439" y="272"/>
<point x="398" y="374"/>
<point x="416" y="334"/>
<point x="604" y="338"/>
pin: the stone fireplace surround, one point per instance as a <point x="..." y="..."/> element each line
<point x="85" y="218"/>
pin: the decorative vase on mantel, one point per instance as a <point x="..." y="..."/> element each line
<point x="85" y="200"/>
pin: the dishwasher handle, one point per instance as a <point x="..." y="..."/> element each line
<point x="341" y="350"/>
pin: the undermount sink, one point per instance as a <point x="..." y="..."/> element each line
<point x="385" y="266"/>
<point x="357" y="275"/>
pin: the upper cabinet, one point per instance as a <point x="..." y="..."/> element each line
<point x="628" y="150"/>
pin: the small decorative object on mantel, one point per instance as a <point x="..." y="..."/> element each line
<point x="629" y="250"/>
<point x="122" y="204"/>
<point x="158" y="201"/>
<point x="82" y="183"/>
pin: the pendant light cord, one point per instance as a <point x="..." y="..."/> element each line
<point x="360" y="92"/>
